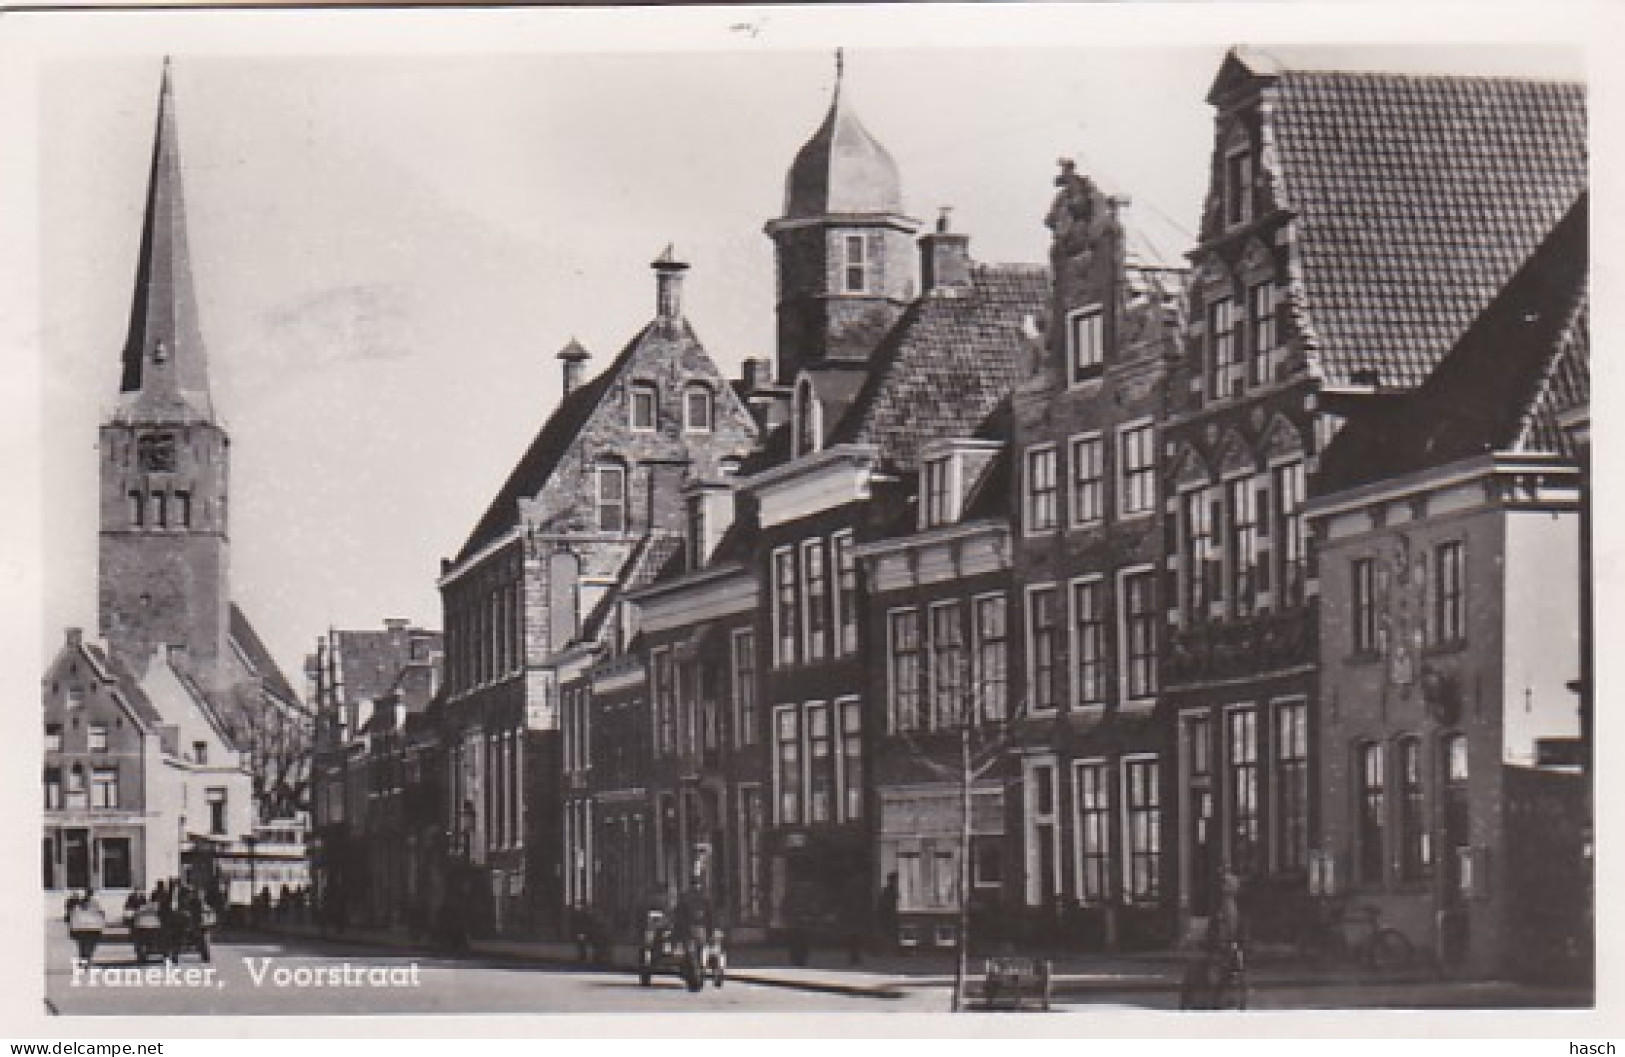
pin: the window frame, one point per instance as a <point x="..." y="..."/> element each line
<point x="1036" y="499"/>
<point x="854" y="267"/>
<point x="902" y="617"/>
<point x="1092" y="487"/>
<point x="1363" y="606"/>
<point x="1225" y="348"/>
<point x="742" y="655"/>
<point x="606" y="470"/>
<point x="1092" y="866"/>
<point x="1289" y="785"/>
<point x="1449" y="617"/>
<point x="1263" y="336"/>
<point x="1132" y="664"/>
<point x="1134" y="477"/>
<point x="984" y="648"/>
<point x="946" y="614"/>
<point x="1086" y="361"/>
<point x="1133" y="852"/>
<point x="1031" y="629"/>
<point x="1095" y="584"/>
<point x="708" y="399"/>
<point x="786" y="605"/>
<point x="815" y="600"/>
<point x="938" y="491"/>
<point x="643" y="396"/>
<point x="1243" y="831"/>
<point x="1371" y="813"/>
<point x="844" y="584"/>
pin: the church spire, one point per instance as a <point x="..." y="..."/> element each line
<point x="165" y="369"/>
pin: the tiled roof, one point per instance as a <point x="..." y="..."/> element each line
<point x="1522" y="363"/>
<point x="259" y="658"/>
<point x="534" y="468"/>
<point x="946" y="364"/>
<point x="127" y="685"/>
<point x="1416" y="198"/>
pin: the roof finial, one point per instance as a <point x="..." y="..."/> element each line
<point x="840" y="65"/>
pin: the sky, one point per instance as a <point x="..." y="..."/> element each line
<point x="392" y="235"/>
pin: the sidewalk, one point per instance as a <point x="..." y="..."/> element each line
<point x="1075" y="976"/>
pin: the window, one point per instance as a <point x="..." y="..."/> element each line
<point x="1289" y="535"/>
<point x="1455" y="757"/>
<point x="663" y="676"/>
<point x="155" y="453"/>
<point x="787" y="763"/>
<point x="1094" y="829"/>
<point x="697" y="409"/>
<point x="1038" y="811"/>
<point x="1372" y="808"/>
<point x="1225" y="360"/>
<point x="215" y="798"/>
<point x="1087" y="505"/>
<point x="1041" y="487"/>
<point x="1261" y="329"/>
<point x="937" y="506"/>
<point x="991" y="686"/>
<point x="612" y="498"/>
<point x="1241" y="748"/>
<point x="53" y="737"/>
<point x="851" y="713"/>
<point x="1041" y="648"/>
<point x="905" y="669"/>
<point x="1292" y="785"/>
<point x="78" y="797"/>
<point x="1142" y="809"/>
<point x="104" y="787"/>
<point x="815" y="581"/>
<point x="1449" y="625"/>
<point x="947" y="665"/>
<point x="1363" y="606"/>
<point x="809" y="416"/>
<point x="786" y="607"/>
<point x="1140" y="633"/>
<point x="138" y="509"/>
<point x="1088" y="643"/>
<point x="846" y="595"/>
<point x="1204" y="563"/>
<point x="1244" y="552"/>
<point x="53" y="788"/>
<point x="1086" y="343"/>
<point x="1139" y="485"/>
<point x="159" y="502"/>
<point x="696" y="531"/>
<point x="1238" y="186"/>
<point x="96" y="737"/>
<point x="855" y="274"/>
<point x="820" y="764"/>
<point x="1415" y="848"/>
<point x="744" y="686"/>
<point x="200" y="752"/>
<point x="645" y="407"/>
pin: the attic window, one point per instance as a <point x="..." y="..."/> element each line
<point x="1085" y="343"/>
<point x="611" y="498"/>
<point x="1238" y="186"/>
<point x="645" y="407"/>
<point x="697" y="409"/>
<point x="937" y="492"/>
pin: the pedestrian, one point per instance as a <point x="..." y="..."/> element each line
<point x="86" y="922"/>
<point x="132" y="903"/>
<point x="886" y="913"/>
<point x="203" y="922"/>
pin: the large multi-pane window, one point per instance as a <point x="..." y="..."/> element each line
<point x="1261" y="329"/>
<point x="1241" y="749"/>
<point x="851" y="716"/>
<point x="1086" y="341"/>
<point x="815" y="590"/>
<point x="786" y="607"/>
<point x="820" y="764"/>
<point x="1204" y="563"/>
<point x="1039" y="815"/>
<point x="1139" y="633"/>
<point x="1244" y="553"/>
<point x="846" y="595"/>
<point x="905" y="669"/>
<point x="1087" y="470"/>
<point x="1041" y="489"/>
<point x="744" y="686"/>
<point x="1225" y="358"/>
<point x="1088" y="642"/>
<point x="1137" y="492"/>
<point x="1142" y="828"/>
<point x="787" y="776"/>
<point x="1449" y="623"/>
<point x="1292" y="784"/>
<point x="991" y="638"/>
<point x="1373" y="808"/>
<point x="1415" y="848"/>
<point x="1290" y="543"/>
<point x="947" y="665"/>
<point x="611" y="498"/>
<point x="1363" y="605"/>
<point x="1093" y="787"/>
<point x="1041" y="648"/>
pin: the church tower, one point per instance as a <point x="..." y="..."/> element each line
<point x="164" y="459"/>
<point x="846" y="257"/>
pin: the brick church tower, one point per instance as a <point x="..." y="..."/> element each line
<point x="846" y="255"/>
<point x="164" y="458"/>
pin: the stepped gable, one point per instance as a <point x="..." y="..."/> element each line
<point x="1522" y="363"/>
<point x="1415" y="199"/>
<point x="946" y="365"/>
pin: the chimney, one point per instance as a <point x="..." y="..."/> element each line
<point x="769" y="403"/>
<point x="669" y="286"/>
<point x="574" y="357"/>
<point x="76" y="637"/>
<point x="710" y="512"/>
<point x="944" y="259"/>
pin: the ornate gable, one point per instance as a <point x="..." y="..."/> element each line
<point x="1282" y="441"/>
<point x="1190" y="469"/>
<point x="1235" y="456"/>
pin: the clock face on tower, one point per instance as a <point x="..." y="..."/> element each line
<point x="155" y="453"/>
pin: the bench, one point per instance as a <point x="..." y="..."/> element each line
<point x="1011" y="981"/>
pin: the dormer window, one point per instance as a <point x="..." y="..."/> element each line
<point x="697" y="409"/>
<point x="645" y="407"/>
<point x="1239" y="179"/>
<point x="937" y="492"/>
<point x="809" y="419"/>
<point x="855" y="274"/>
<point x="1086" y="343"/>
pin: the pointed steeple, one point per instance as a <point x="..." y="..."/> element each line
<point x="166" y="377"/>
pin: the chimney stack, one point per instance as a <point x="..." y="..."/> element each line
<point x="573" y="357"/>
<point x="669" y="286"/>
<point x="944" y="259"/>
